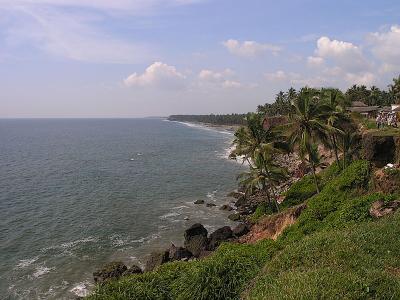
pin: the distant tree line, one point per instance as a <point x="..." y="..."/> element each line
<point x="231" y="119"/>
<point x="372" y="96"/>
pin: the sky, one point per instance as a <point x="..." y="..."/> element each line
<point x="137" y="58"/>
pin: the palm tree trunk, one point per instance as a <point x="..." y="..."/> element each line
<point x="335" y="148"/>
<point x="313" y="172"/>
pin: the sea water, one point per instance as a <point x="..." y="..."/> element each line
<point x="78" y="193"/>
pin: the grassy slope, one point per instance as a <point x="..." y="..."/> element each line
<point x="335" y="250"/>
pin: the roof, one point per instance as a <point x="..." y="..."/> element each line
<point x="396" y="109"/>
<point x="386" y="108"/>
<point x="363" y="109"/>
<point x="358" y="104"/>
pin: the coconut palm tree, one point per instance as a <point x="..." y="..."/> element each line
<point x="336" y="116"/>
<point x="395" y="89"/>
<point x="264" y="175"/>
<point x="307" y="126"/>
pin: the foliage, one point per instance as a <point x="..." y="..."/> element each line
<point x="281" y="106"/>
<point x="358" y="262"/>
<point x="232" y="119"/>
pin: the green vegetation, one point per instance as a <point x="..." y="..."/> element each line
<point x="232" y="119"/>
<point x="335" y="250"/>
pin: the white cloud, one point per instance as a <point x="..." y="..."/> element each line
<point x="363" y="78"/>
<point x="315" y="61"/>
<point x="249" y="48"/>
<point x="219" y="79"/>
<point x="344" y="54"/>
<point x="386" y="47"/>
<point x="158" y="75"/>
<point x="279" y="76"/>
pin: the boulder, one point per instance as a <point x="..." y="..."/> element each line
<point x="204" y="254"/>
<point x="234" y="217"/>
<point x="179" y="253"/>
<point x="380" y="208"/>
<point x="196" y="239"/>
<point x="240" y="230"/>
<point x="155" y="260"/>
<point x="133" y="270"/>
<point x="226" y="207"/>
<point x="210" y="205"/>
<point x="199" y="202"/>
<point x="195" y="229"/>
<point x="218" y="236"/>
<point x="196" y="244"/>
<point x="110" y="271"/>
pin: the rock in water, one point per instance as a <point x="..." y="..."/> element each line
<point x="155" y="260"/>
<point x="226" y="207"/>
<point x="113" y="270"/>
<point x="196" y="239"/>
<point x="240" y="230"/>
<point x="218" y="236"/>
<point x="234" y="217"/>
<point x="199" y="202"/>
<point x="210" y="205"/>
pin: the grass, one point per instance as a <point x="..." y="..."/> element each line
<point x="334" y="251"/>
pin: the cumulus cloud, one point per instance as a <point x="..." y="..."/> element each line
<point x="280" y="76"/>
<point x="346" y="55"/>
<point x="386" y="47"/>
<point x="249" y="48"/>
<point x="219" y="79"/>
<point x="158" y="75"/>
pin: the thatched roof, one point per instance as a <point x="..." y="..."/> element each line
<point x="358" y="104"/>
<point x="365" y="109"/>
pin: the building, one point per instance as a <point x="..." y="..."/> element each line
<point x="363" y="109"/>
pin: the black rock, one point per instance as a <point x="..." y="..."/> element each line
<point x="196" y="244"/>
<point x="218" y="236"/>
<point x="210" y="205"/>
<point x="156" y="259"/>
<point x="240" y="230"/>
<point x="113" y="270"/>
<point x="195" y="229"/>
<point x="226" y="207"/>
<point x="199" y="202"/>
<point x="241" y="201"/>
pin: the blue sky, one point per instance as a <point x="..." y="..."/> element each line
<point x="133" y="58"/>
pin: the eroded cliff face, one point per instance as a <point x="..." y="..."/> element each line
<point x="381" y="149"/>
<point x="271" y="227"/>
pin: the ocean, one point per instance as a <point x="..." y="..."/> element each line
<point x="78" y="193"/>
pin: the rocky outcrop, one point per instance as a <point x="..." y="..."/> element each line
<point x="218" y="236"/>
<point x="380" y="208"/>
<point x="240" y="230"/>
<point x="113" y="270"/>
<point x="380" y="149"/>
<point x="156" y="259"/>
<point x="196" y="239"/>
<point x="272" y="226"/>
<point x="179" y="253"/>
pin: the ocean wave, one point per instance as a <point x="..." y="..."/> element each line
<point x="42" y="270"/>
<point x="170" y="215"/>
<point x="23" y="263"/>
<point x="82" y="289"/>
<point x="72" y="244"/>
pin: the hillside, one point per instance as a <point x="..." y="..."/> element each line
<point x="334" y="250"/>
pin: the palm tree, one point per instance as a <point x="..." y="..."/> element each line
<point x="395" y="89"/>
<point x="306" y="126"/>
<point x="336" y="101"/>
<point x="264" y="175"/>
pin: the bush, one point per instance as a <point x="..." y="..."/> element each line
<point x="261" y="210"/>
